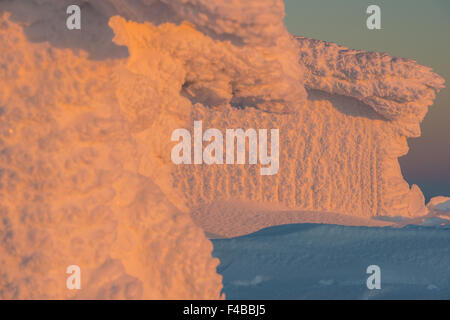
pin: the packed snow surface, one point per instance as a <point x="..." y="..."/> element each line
<point x="319" y="261"/>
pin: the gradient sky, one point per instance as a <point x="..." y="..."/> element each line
<point x="415" y="29"/>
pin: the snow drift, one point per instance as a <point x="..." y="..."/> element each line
<point x="86" y="119"/>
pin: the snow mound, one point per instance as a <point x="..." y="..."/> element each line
<point x="440" y="204"/>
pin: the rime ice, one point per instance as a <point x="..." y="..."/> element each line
<point x="85" y="171"/>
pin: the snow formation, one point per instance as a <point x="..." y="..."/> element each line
<point x="71" y="190"/>
<point x="86" y="119"/>
<point x="339" y="151"/>
<point x="320" y="261"/>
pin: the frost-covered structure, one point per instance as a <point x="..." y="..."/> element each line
<point x="86" y="119"/>
<point x="71" y="191"/>
<point x="339" y="151"/>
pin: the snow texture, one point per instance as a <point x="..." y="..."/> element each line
<point x="86" y="119"/>
<point x="339" y="151"/>
<point x="312" y="261"/>
<point x="227" y="219"/>
<point x="71" y="191"/>
<point x="440" y="204"/>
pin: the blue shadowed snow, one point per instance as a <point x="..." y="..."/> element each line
<point x="318" y="261"/>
